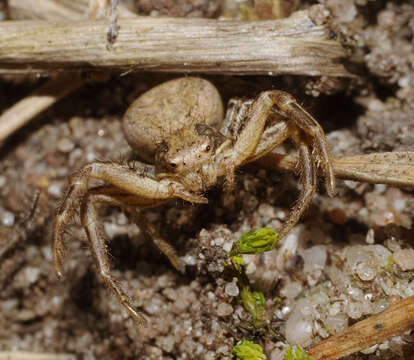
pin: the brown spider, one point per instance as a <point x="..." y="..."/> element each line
<point x="179" y="127"/>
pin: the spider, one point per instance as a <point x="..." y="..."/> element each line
<point x="179" y="130"/>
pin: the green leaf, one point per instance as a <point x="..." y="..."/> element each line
<point x="296" y="353"/>
<point x="254" y="303"/>
<point x="248" y="350"/>
<point x="257" y="241"/>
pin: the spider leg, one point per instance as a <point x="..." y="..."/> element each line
<point x="96" y="237"/>
<point x="272" y="137"/>
<point x="307" y="168"/>
<point x="115" y="196"/>
<point x="236" y="113"/>
<point x="166" y="248"/>
<point x="250" y="136"/>
<point x="310" y="126"/>
<point x="122" y="177"/>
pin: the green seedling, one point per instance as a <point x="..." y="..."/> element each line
<point x="252" y="242"/>
<point x="255" y="242"/>
<point x="296" y="353"/>
<point x="247" y="350"/>
<point x="254" y="303"/>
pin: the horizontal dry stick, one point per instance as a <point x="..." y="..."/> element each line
<point x="289" y="46"/>
<point x="391" y="168"/>
<point x="55" y="10"/>
<point x="26" y="355"/>
<point x="48" y="9"/>
<point x="394" y="321"/>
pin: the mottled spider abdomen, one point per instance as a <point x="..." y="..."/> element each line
<point x="169" y="108"/>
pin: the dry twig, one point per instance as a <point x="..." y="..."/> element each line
<point x="396" y="320"/>
<point x="289" y="46"/>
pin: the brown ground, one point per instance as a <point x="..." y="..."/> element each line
<point x="195" y="316"/>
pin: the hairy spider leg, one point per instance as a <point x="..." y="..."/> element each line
<point x="235" y="115"/>
<point x="274" y="136"/>
<point x="97" y="239"/>
<point x="307" y="172"/>
<point x="310" y="126"/>
<point x="122" y="177"/>
<point x="257" y="116"/>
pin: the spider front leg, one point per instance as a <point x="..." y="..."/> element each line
<point x="151" y="192"/>
<point x="95" y="234"/>
<point x="97" y="239"/>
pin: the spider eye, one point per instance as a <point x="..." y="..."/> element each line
<point x="173" y="165"/>
<point x="208" y="148"/>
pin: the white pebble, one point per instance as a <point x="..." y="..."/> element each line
<point x="354" y="310"/>
<point x="31" y="274"/>
<point x="224" y="309"/>
<point x="7" y="218"/>
<point x="232" y="289"/>
<point x="65" y="145"/>
<point x="299" y="332"/>
<point x="219" y="241"/>
<point x="404" y="259"/>
<point x="404" y="82"/>
<point x="55" y="190"/>
<point x="298" y="329"/>
<point x="365" y="272"/>
<point x="227" y="246"/>
<point x="370" y="238"/>
<point x="189" y="260"/>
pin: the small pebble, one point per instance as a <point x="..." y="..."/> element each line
<point x="227" y="246"/>
<point x="224" y="309"/>
<point x="55" y="190"/>
<point x="370" y="238"/>
<point x="7" y="218"/>
<point x="3" y="180"/>
<point x="365" y="272"/>
<point x="65" y="145"/>
<point x="404" y="259"/>
<point x="232" y="289"/>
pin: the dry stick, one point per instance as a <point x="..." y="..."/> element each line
<point x="26" y="109"/>
<point x="391" y="168"/>
<point x="26" y="355"/>
<point x="54" y="10"/>
<point x="288" y="46"/>
<point x="394" y="321"/>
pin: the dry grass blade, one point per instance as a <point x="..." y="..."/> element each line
<point x="397" y="319"/>
<point x="26" y="109"/>
<point x="391" y="168"/>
